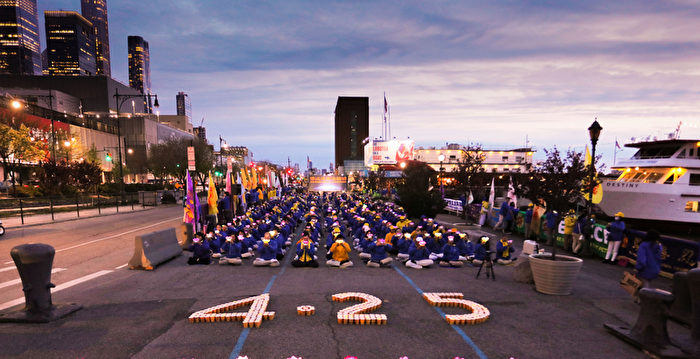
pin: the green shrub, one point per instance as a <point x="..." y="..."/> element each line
<point x="22" y="191"/>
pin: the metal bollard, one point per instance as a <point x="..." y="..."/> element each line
<point x="34" y="262"/>
<point x="692" y="345"/>
<point x="650" y="332"/>
<point x="680" y="308"/>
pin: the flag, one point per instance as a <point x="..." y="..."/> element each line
<point x="228" y="181"/>
<point x="492" y="194"/>
<point x="254" y="181"/>
<point x="470" y="199"/>
<point x="212" y="197"/>
<point x="243" y="204"/>
<point x="189" y="216"/>
<point x="598" y="189"/>
<point x="512" y="198"/>
<point x="617" y="145"/>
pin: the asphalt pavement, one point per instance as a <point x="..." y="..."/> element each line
<point x="144" y="314"/>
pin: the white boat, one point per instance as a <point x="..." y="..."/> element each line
<point x="661" y="182"/>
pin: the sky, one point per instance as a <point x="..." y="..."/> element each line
<point x="502" y="74"/>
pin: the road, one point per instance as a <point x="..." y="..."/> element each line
<point x="139" y="314"/>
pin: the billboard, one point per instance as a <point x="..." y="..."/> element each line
<point x="328" y="183"/>
<point x="388" y="152"/>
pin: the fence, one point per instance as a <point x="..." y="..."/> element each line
<point x="94" y="203"/>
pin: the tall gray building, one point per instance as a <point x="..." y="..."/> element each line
<point x="70" y="44"/>
<point x="19" y="38"/>
<point x="96" y="12"/>
<point x="140" y="68"/>
<point x="184" y="105"/>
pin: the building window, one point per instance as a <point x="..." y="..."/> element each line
<point x="505" y="158"/>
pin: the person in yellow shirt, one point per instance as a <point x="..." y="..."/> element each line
<point x="403" y="221"/>
<point x="569" y="224"/>
<point x="340" y="254"/>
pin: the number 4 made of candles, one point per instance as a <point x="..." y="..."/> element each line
<point x="252" y="318"/>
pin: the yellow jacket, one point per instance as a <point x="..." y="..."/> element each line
<point x="340" y="251"/>
<point x="569" y="224"/>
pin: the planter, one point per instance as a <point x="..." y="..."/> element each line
<point x="554" y="277"/>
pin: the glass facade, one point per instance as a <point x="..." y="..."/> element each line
<point x="139" y="65"/>
<point x="70" y="43"/>
<point x="184" y="106"/>
<point x="96" y="12"/>
<point x="19" y="37"/>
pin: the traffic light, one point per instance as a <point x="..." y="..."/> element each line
<point x="108" y="157"/>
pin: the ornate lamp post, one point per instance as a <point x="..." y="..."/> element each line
<point x="441" y="158"/>
<point x="594" y="133"/>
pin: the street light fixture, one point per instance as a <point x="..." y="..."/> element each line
<point x="16" y="104"/>
<point x="441" y="158"/>
<point x="594" y="134"/>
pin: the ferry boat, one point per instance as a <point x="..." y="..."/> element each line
<point x="661" y="182"/>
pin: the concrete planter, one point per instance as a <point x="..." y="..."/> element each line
<point x="554" y="277"/>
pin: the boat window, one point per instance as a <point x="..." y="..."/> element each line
<point x="692" y="206"/>
<point x="656" y="152"/>
<point x="654" y="177"/>
<point x="694" y="179"/>
<point x="682" y="153"/>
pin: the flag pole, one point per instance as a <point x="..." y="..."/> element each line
<point x="615" y="153"/>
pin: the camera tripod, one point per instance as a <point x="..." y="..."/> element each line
<point x="489" y="267"/>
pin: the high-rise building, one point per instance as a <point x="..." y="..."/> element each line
<point x="19" y="37"/>
<point x="140" y="68"/>
<point x="139" y="64"/>
<point x="201" y="133"/>
<point x="70" y="41"/>
<point x="351" y="128"/>
<point x="184" y="106"/>
<point x="96" y="12"/>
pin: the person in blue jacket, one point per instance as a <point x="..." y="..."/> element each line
<point x="450" y="254"/>
<point x="267" y="253"/>
<point x="649" y="258"/>
<point x="504" y="251"/>
<point x="404" y="244"/>
<point x="483" y="246"/>
<point x="306" y="254"/>
<point x="200" y="253"/>
<point x="231" y="251"/>
<point x="528" y="220"/>
<point x="379" y="254"/>
<point x="418" y="256"/>
<point x="551" y="226"/>
<point x="616" y="232"/>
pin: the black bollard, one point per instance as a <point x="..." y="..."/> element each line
<point x="650" y="332"/>
<point x="692" y="345"/>
<point x="680" y="308"/>
<point x="34" y="262"/>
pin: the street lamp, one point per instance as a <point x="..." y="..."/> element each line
<point x="594" y="133"/>
<point x="16" y="104"/>
<point x="402" y="165"/>
<point x="120" y="99"/>
<point x="441" y="158"/>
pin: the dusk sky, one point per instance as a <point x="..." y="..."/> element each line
<point x="267" y="74"/>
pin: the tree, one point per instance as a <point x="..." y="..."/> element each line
<point x="170" y="159"/>
<point x="470" y="174"/>
<point x="85" y="175"/>
<point x="17" y="146"/>
<point x="416" y="195"/>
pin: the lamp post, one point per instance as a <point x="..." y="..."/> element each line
<point x="594" y="133"/>
<point x="120" y="99"/>
<point x="441" y="158"/>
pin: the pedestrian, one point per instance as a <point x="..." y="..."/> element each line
<point x="502" y="214"/>
<point x="226" y="208"/>
<point x="649" y="258"/>
<point x="587" y="233"/>
<point x="551" y="226"/>
<point x="483" y="213"/>
<point x="616" y="231"/>
<point x="528" y="221"/>
<point x="569" y="224"/>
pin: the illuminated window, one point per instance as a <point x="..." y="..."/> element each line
<point x="692" y="206"/>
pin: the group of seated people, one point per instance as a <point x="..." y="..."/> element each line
<point x="379" y="231"/>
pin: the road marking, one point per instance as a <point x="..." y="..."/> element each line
<point x="59" y="287"/>
<point x="18" y="281"/>
<point x="459" y="330"/>
<point x="112" y="236"/>
<point x="244" y="335"/>
<point x="122" y="266"/>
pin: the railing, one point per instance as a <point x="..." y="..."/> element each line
<point x="80" y="204"/>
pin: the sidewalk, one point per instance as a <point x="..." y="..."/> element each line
<point x="37" y="219"/>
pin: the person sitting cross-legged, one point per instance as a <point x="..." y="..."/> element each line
<point x="450" y="254"/>
<point x="201" y="254"/>
<point x="339" y="254"/>
<point x="267" y="253"/>
<point x="418" y="256"/>
<point x="305" y="254"/>
<point x="504" y="251"/>
<point x="231" y="251"/>
<point x="379" y="254"/>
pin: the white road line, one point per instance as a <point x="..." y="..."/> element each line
<point x="7" y="268"/>
<point x="122" y="266"/>
<point x="18" y="281"/>
<point x="112" y="236"/>
<point x="59" y="287"/>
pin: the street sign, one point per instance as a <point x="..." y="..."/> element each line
<point x="190" y="159"/>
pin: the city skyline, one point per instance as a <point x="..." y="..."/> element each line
<point x="465" y="72"/>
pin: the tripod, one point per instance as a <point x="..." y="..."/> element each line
<point x="489" y="267"/>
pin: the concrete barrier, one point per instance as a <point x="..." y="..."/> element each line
<point x="154" y="248"/>
<point x="185" y="233"/>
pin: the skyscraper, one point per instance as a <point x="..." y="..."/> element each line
<point x="351" y="128"/>
<point x="96" y="12"/>
<point x="70" y="41"/>
<point x="140" y="68"/>
<point x="184" y="106"/>
<point x="19" y="37"/>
